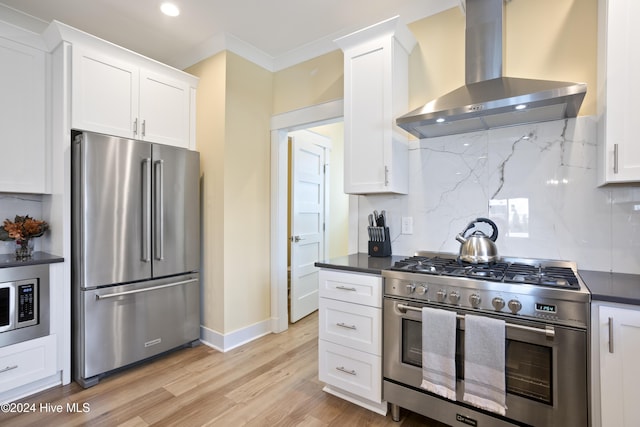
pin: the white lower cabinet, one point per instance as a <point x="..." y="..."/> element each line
<point x="26" y="362"/>
<point x="618" y="340"/>
<point x="350" y="337"/>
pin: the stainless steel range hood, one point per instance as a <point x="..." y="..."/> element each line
<point x="489" y="100"/>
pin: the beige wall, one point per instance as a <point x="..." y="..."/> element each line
<point x="309" y="83"/>
<point x="338" y="230"/>
<point x="210" y="137"/>
<point x="247" y="194"/>
<point x="544" y="39"/>
<point x="234" y="112"/>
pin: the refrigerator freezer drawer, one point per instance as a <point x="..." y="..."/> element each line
<point x="126" y="324"/>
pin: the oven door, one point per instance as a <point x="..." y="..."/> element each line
<point x="546" y="374"/>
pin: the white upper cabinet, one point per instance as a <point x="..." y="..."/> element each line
<point x="375" y="93"/>
<point x="104" y="94"/>
<point x="618" y="91"/>
<point x="118" y="92"/>
<point x="164" y="109"/>
<point x="23" y="139"/>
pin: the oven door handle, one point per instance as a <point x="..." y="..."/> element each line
<point x="548" y="330"/>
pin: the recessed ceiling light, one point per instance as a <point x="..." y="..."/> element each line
<point x="521" y="106"/>
<point x="440" y="120"/>
<point x="169" y="9"/>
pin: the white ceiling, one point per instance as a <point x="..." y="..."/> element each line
<point x="272" y="33"/>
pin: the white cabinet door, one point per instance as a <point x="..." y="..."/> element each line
<point x="619" y="69"/>
<point x="351" y="370"/>
<point x="375" y="93"/>
<point x="115" y="97"/>
<point x="365" y="289"/>
<point x="104" y="94"/>
<point x="23" y="140"/>
<point x="27" y="361"/>
<point x="619" y="367"/>
<point x="164" y="109"/>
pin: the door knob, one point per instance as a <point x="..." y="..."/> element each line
<point x="296" y="239"/>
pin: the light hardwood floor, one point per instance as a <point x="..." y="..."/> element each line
<point x="272" y="381"/>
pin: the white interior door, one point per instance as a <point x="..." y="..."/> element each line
<point x="307" y="222"/>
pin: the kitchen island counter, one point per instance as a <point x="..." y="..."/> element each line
<point x="612" y="287"/>
<point x="9" y="260"/>
<point x="360" y="263"/>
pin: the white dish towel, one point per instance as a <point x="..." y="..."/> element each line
<point x="439" y="352"/>
<point x="484" y="362"/>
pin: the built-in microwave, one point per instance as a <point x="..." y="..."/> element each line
<point x="24" y="303"/>
<point x="19" y="303"/>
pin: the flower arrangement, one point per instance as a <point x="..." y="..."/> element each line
<point x="22" y="229"/>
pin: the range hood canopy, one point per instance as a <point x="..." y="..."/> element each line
<point x="489" y="100"/>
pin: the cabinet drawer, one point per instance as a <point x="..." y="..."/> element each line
<point x="26" y="362"/>
<point x="365" y="289"/>
<point x="351" y="370"/>
<point x="351" y="325"/>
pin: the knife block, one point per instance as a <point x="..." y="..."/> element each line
<point x="383" y="248"/>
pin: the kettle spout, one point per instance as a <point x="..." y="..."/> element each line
<point x="461" y="239"/>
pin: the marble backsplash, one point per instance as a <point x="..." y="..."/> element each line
<point x="538" y="183"/>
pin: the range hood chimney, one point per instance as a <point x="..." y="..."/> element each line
<point x="489" y="100"/>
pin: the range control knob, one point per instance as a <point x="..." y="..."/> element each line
<point x="441" y="295"/>
<point x="454" y="297"/>
<point x="422" y="289"/>
<point x="475" y="300"/>
<point x="497" y="303"/>
<point x="515" y="306"/>
<point x="411" y="288"/>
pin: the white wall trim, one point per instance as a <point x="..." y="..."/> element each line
<point x="231" y="340"/>
<point x="281" y="125"/>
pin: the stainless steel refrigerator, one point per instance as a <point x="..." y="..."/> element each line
<point x="135" y="252"/>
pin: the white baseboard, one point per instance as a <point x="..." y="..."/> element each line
<point x="231" y="340"/>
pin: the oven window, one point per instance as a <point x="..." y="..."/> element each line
<point x="528" y="371"/>
<point x="4" y="306"/>
<point x="412" y="342"/>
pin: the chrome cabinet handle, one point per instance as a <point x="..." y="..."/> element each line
<point x="8" y="368"/>
<point x="386" y="176"/>
<point x="344" y="325"/>
<point x="144" y="128"/>
<point x="344" y="288"/>
<point x="345" y="370"/>
<point x="146" y="209"/>
<point x="135" y="126"/>
<point x="611" y="335"/>
<point x="615" y="158"/>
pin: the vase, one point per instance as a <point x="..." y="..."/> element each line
<point x="24" y="249"/>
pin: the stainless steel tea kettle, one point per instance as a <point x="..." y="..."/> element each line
<point x="478" y="247"/>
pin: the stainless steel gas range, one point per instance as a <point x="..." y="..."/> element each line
<point x="545" y="306"/>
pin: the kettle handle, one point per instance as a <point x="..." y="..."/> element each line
<point x="494" y="233"/>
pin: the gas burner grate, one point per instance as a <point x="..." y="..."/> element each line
<point x="560" y="277"/>
<point x="426" y="265"/>
<point x="494" y="272"/>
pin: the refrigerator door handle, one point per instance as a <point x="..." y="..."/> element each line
<point x="137" y="291"/>
<point x="159" y="210"/>
<point x="146" y="210"/>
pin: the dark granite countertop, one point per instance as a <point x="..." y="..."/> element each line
<point x="360" y="263"/>
<point x="9" y="260"/>
<point x="612" y="287"/>
<point x="604" y="286"/>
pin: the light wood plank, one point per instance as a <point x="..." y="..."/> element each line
<point x="272" y="381"/>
